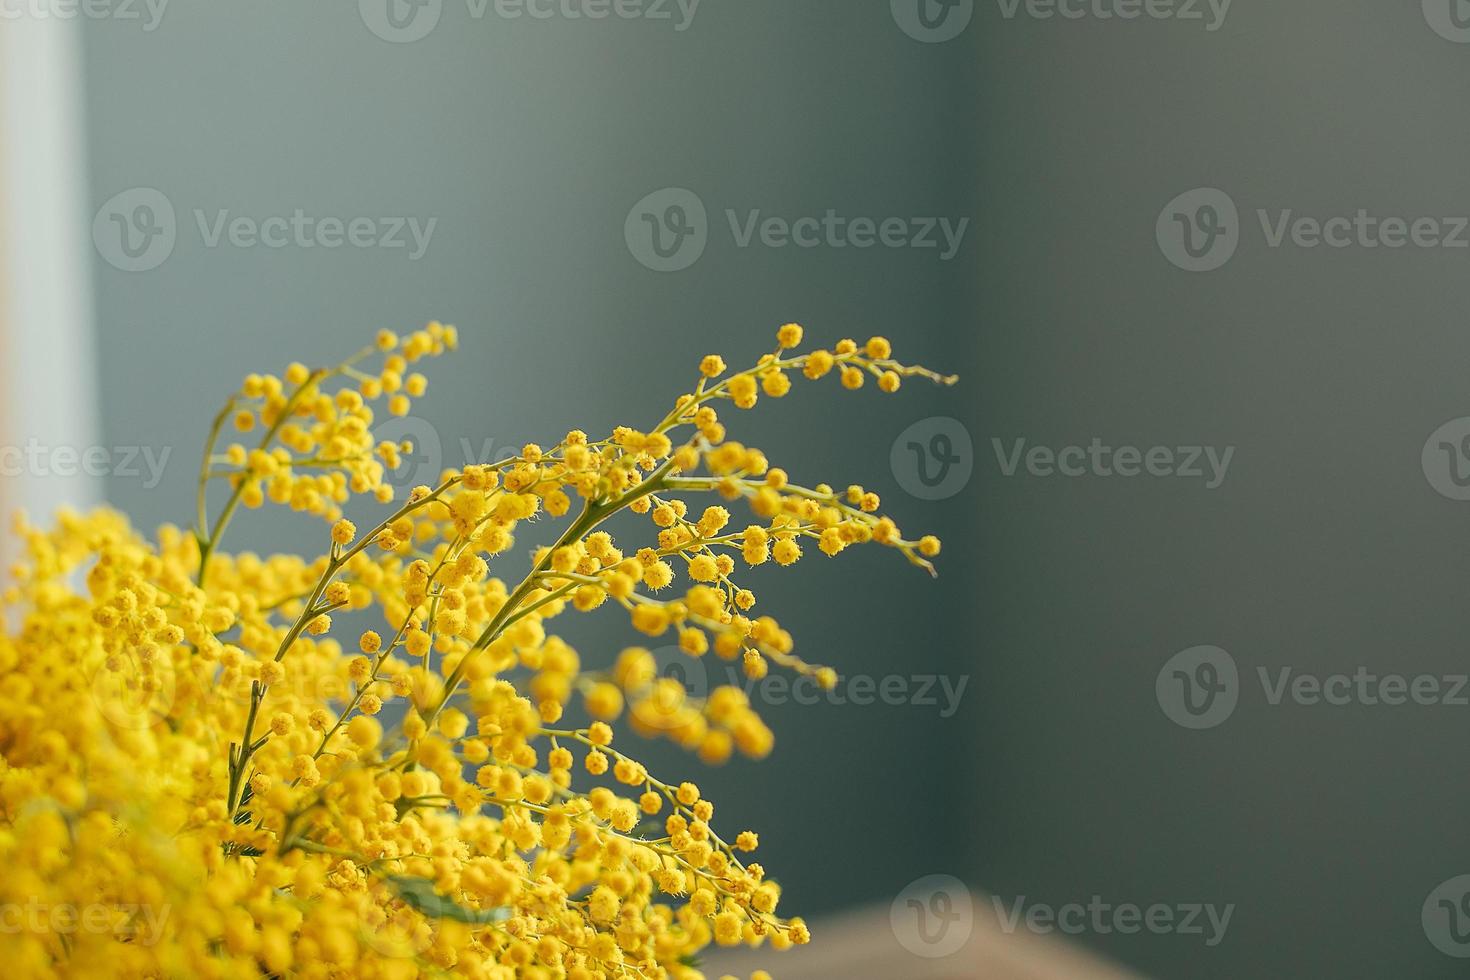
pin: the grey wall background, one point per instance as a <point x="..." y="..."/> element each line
<point x="1326" y="549"/>
<point x="1061" y="778"/>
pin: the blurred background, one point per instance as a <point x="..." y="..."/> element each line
<point x="1199" y="451"/>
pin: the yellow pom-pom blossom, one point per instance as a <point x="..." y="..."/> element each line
<point x="216" y="783"/>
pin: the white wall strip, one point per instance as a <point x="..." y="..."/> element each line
<point x="47" y="379"/>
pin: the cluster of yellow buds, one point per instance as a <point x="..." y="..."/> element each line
<point x="195" y="751"/>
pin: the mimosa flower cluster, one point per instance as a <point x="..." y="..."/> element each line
<point x="196" y="747"/>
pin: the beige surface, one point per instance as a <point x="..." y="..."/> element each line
<point x="862" y="946"/>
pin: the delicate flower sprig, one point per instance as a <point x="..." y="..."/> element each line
<point x="413" y="802"/>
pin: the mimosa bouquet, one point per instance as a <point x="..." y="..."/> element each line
<point x="201" y="776"/>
